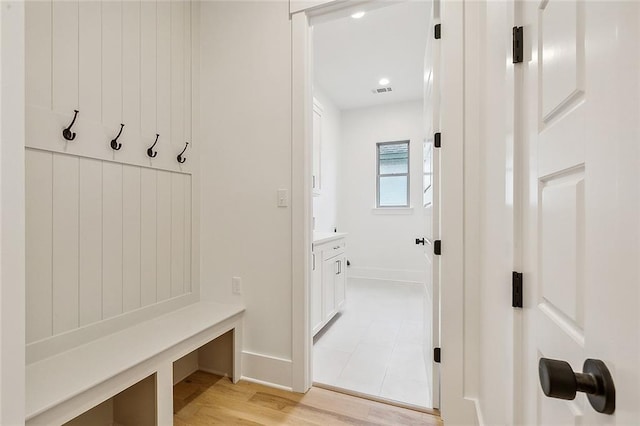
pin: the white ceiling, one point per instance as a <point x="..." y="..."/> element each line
<point x="352" y="55"/>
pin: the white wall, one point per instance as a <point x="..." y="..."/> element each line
<point x="325" y="204"/>
<point x="381" y="243"/>
<point x="246" y="147"/>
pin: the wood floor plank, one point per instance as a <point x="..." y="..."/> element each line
<point x="206" y="399"/>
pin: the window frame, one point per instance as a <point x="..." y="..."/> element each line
<point x="407" y="174"/>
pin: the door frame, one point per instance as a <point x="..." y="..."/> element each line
<point x="457" y="405"/>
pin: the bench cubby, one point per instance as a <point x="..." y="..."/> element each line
<point x="134" y="406"/>
<point x="214" y="357"/>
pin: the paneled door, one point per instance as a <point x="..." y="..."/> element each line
<point x="580" y="113"/>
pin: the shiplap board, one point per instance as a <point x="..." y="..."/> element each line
<point x="112" y="64"/>
<point x="163" y="82"/>
<point x="164" y="236"/>
<point x="177" y="234"/>
<point x="131" y="235"/>
<point x="65" y="242"/>
<point x="90" y="69"/>
<point x="39" y="245"/>
<point x="65" y="56"/>
<point x="112" y="240"/>
<point x="177" y="76"/>
<point x="38" y="45"/>
<point x="90" y="227"/>
<point x="131" y="101"/>
<point x="148" y="72"/>
<point x="187" y="43"/>
<point x="148" y="236"/>
<point x="188" y="233"/>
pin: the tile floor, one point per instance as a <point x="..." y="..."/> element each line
<point x="375" y="345"/>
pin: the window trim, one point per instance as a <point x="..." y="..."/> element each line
<point x="407" y="174"/>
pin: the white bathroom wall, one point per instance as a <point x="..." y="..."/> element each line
<point x="109" y="233"/>
<point x="246" y="147"/>
<point x="381" y="242"/>
<point x="325" y="203"/>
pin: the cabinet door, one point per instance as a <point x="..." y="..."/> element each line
<point x="341" y="281"/>
<point x="316" y="293"/>
<point x="329" y="272"/>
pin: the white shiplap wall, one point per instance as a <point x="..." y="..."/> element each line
<point x="115" y="62"/>
<point x="108" y="232"/>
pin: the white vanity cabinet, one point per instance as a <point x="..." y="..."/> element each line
<point x="328" y="286"/>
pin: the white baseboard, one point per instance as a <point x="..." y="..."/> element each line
<point x="271" y="385"/>
<point x="480" y="417"/>
<point x="396" y="275"/>
<point x="267" y="370"/>
<point x="213" y="371"/>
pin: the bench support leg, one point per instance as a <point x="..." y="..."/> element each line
<point x="164" y="389"/>
<point x="237" y="354"/>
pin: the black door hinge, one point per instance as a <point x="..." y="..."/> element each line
<point x="436" y="355"/>
<point x="516" y="284"/>
<point x="436" y="32"/>
<point x="518" y="45"/>
<point x="437" y="140"/>
<point x="437" y="247"/>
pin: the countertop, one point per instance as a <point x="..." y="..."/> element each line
<point x="323" y="237"/>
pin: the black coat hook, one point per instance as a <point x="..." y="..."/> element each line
<point x="66" y="133"/>
<point x="150" y="152"/>
<point x="182" y="159"/>
<point x="114" y="142"/>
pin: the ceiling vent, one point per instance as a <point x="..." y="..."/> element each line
<point x="381" y="90"/>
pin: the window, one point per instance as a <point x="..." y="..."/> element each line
<point x="393" y="174"/>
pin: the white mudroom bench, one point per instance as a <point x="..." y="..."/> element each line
<point x="120" y="369"/>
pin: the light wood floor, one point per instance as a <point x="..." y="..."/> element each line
<point x="206" y="399"/>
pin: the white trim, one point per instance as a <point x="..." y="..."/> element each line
<point x="457" y="407"/>
<point x="480" y="417"/>
<point x="301" y="203"/>
<point x="210" y="371"/>
<point x="381" y="274"/>
<point x="271" y="385"/>
<point x="392" y="210"/>
<point x="267" y="370"/>
<point x="301" y="5"/>
<point x="12" y="206"/>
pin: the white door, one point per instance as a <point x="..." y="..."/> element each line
<point x="580" y="118"/>
<point x="431" y="194"/>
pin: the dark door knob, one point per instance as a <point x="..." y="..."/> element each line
<point x="420" y="241"/>
<point x="558" y="380"/>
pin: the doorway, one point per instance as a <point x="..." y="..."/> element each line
<point x="372" y="315"/>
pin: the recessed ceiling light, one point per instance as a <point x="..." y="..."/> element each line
<point x="383" y="81"/>
<point x="357" y="15"/>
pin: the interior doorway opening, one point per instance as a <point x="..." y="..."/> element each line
<point x="372" y="290"/>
